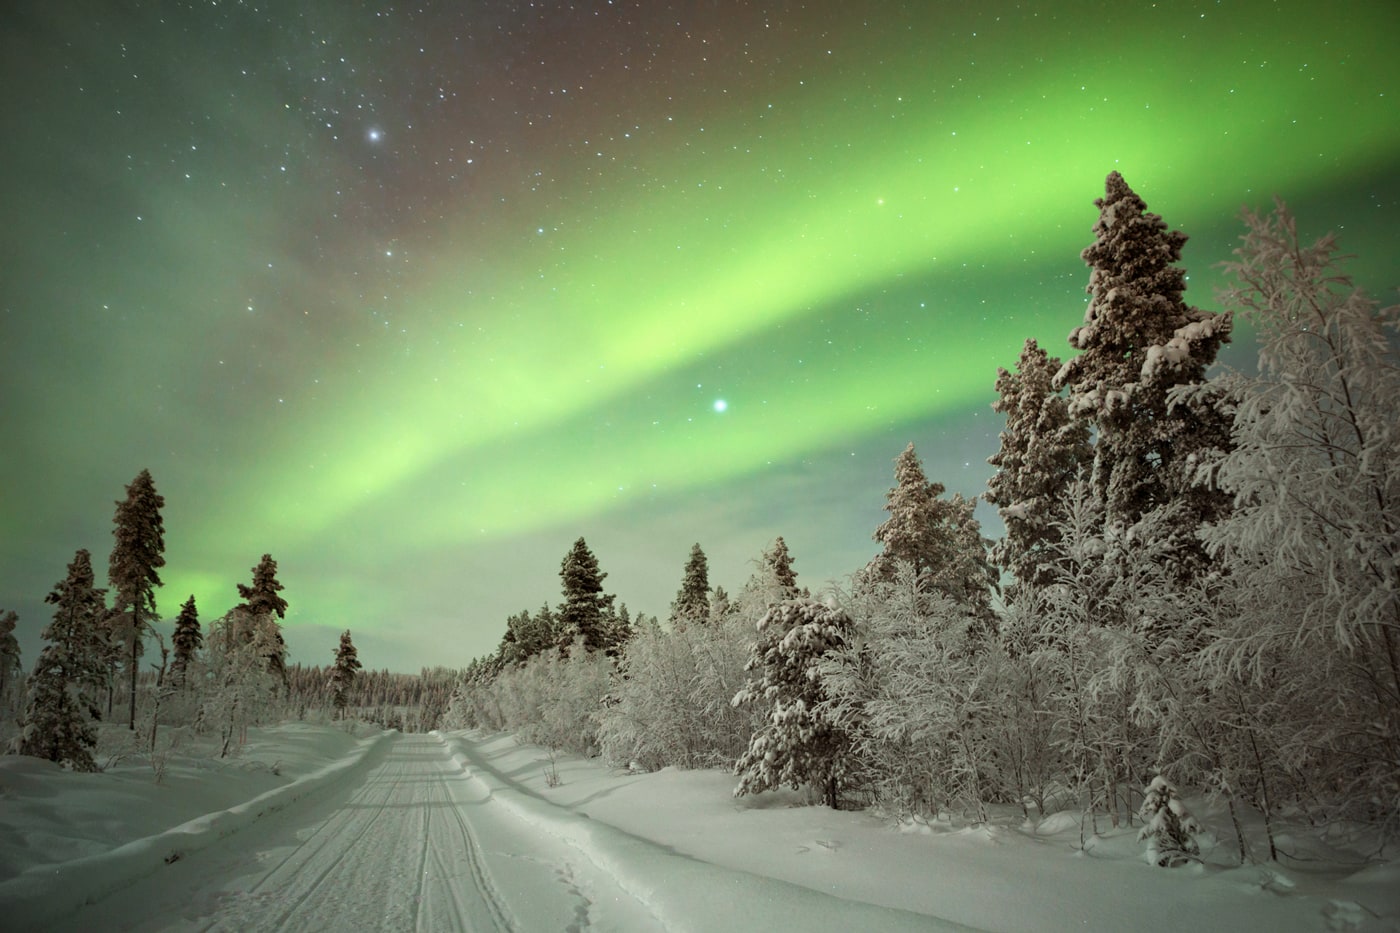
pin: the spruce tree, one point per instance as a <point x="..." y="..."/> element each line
<point x="1168" y="827"/>
<point x="581" y="615"/>
<point x="721" y="606"/>
<point x="261" y="597"/>
<point x="777" y="564"/>
<point x="692" y="603"/>
<point x="1138" y="341"/>
<point x="939" y="537"/>
<point x="800" y="744"/>
<point x="347" y="663"/>
<point x="1042" y="450"/>
<point x="261" y="603"/>
<point x="9" y="656"/>
<point x="132" y="568"/>
<point x="187" y="638"/>
<point x="527" y="636"/>
<point x="70" y="671"/>
<point x="617" y="629"/>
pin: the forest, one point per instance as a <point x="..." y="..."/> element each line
<point x="1197" y="592"/>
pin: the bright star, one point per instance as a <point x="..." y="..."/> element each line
<point x="721" y="405"/>
<point x="375" y="135"/>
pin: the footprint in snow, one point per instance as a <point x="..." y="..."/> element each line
<point x="820" y="845"/>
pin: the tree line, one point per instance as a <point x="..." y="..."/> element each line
<point x="221" y="681"/>
<point x="1198" y="585"/>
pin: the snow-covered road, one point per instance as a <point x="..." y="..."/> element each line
<point x="426" y="834"/>
<point x="412" y="844"/>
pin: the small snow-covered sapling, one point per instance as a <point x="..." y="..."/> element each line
<point x="1168" y="826"/>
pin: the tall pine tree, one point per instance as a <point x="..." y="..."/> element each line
<point x="585" y="610"/>
<point x="187" y="638"/>
<point x="347" y="663"/>
<point x="138" y="554"/>
<point x="1138" y="341"/>
<point x="692" y="603"/>
<point x="69" y="674"/>
<point x="9" y="657"/>
<point x="261" y="603"/>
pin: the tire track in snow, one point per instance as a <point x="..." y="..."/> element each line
<point x="321" y="853"/>
<point x="464" y="840"/>
<point x="357" y="869"/>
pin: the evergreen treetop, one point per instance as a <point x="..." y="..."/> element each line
<point x="692" y="603"/>
<point x="581" y="615"/>
<point x="136" y="557"/>
<point x="939" y="537"/>
<point x="139" y="551"/>
<point x="1139" y="339"/>
<point x="778" y="564"/>
<point x="261" y="597"/>
<point x="187" y="639"/>
<point x="347" y="663"/>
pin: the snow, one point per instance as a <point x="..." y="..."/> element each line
<point x="334" y="827"/>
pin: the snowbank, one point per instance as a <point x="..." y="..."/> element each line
<point x="70" y="839"/>
<point x="681" y="840"/>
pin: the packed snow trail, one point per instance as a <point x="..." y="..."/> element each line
<point x="430" y="835"/>
<point x="399" y="849"/>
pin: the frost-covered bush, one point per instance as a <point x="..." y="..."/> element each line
<point x="548" y="700"/>
<point x="243" y="685"/>
<point x="1168" y="826"/>
<point x="671" y="706"/>
<point x="919" y="695"/>
<point x="1311" y="545"/>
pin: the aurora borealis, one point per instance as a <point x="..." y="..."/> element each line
<point x="411" y="298"/>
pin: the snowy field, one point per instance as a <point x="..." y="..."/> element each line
<point x="322" y="827"/>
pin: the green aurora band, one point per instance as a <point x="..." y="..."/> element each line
<point x="899" y="234"/>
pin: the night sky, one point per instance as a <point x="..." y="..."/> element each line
<point x="412" y="298"/>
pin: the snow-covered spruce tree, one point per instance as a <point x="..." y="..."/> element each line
<point x="1139" y="340"/>
<point x="939" y="537"/>
<point x="617" y="629"/>
<point x="262" y="603"/>
<point x="69" y="674"/>
<point x="799" y="744"/>
<point x="136" y="558"/>
<point x="9" y="659"/>
<point x="527" y="635"/>
<point x="1314" y="541"/>
<point x="775" y="579"/>
<point x="347" y="663"/>
<point x="1168" y="826"/>
<point x="582" y="614"/>
<point x="1042" y="450"/>
<point x="187" y="639"/>
<point x="692" y="603"/>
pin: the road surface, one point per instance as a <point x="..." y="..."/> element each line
<point x="411" y="843"/>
